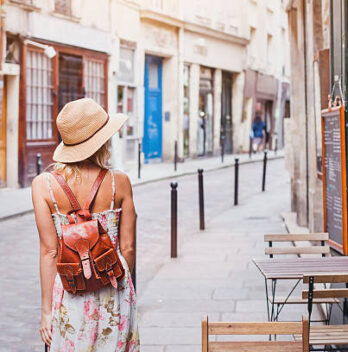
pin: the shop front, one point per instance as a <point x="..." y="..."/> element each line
<point x="50" y="79"/>
<point x="205" y="113"/>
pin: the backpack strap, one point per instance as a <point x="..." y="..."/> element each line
<point x="72" y="199"/>
<point x="95" y="188"/>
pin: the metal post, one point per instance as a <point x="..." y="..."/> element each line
<point x="250" y="147"/>
<point x="201" y="199"/>
<point x="264" y="171"/>
<point x="134" y="272"/>
<point x="139" y="160"/>
<point x="175" y="154"/>
<point x="174" y="220"/>
<point x="236" y="174"/>
<point x="222" y="148"/>
<point x="276" y="145"/>
<point x="38" y="163"/>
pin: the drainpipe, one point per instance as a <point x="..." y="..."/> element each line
<point x="306" y="106"/>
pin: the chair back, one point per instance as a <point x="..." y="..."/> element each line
<point x="319" y="238"/>
<point x="324" y="291"/>
<point x="255" y="328"/>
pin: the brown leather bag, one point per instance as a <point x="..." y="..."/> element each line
<point x="87" y="259"/>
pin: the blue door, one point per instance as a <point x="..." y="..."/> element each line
<point x="152" y="141"/>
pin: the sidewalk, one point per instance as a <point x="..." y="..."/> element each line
<point x="214" y="274"/>
<point x="16" y="202"/>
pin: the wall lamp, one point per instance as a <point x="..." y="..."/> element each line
<point x="48" y="50"/>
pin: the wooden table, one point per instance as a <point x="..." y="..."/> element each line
<point x="293" y="269"/>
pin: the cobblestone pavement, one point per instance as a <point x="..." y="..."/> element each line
<point x="171" y="297"/>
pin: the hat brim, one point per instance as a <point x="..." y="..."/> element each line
<point x="75" y="153"/>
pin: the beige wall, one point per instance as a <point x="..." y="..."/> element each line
<point x="302" y="129"/>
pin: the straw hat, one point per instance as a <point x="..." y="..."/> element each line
<point x="84" y="127"/>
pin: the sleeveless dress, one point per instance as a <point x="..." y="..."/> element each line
<point x="99" y="321"/>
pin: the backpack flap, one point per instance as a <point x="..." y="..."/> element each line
<point x="108" y="266"/>
<point x="81" y="238"/>
<point x="71" y="276"/>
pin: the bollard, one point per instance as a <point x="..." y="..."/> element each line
<point x="139" y="160"/>
<point x="201" y="199"/>
<point x="250" y="147"/>
<point x="276" y="146"/>
<point x="175" y="154"/>
<point x="38" y="163"/>
<point x="134" y="272"/>
<point x="264" y="171"/>
<point x="222" y="149"/>
<point x="236" y="174"/>
<point x="174" y="220"/>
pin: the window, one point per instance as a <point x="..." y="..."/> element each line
<point x="38" y="96"/>
<point x="95" y="80"/>
<point x="126" y="92"/>
<point x="126" y="73"/>
<point x="63" y="7"/>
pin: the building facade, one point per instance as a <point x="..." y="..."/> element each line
<point x="185" y="72"/>
<point x="316" y="57"/>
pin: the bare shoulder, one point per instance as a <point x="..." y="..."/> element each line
<point x="38" y="182"/>
<point x="39" y="190"/>
<point x="122" y="181"/>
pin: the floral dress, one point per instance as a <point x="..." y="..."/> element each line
<point x="99" y="321"/>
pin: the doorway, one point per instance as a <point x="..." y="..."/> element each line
<point x="205" y="117"/>
<point x="152" y="140"/>
<point x="226" y="112"/>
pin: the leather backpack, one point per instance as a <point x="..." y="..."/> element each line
<point x="87" y="259"/>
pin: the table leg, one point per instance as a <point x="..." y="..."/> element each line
<point x="267" y="300"/>
<point x="274" y="285"/>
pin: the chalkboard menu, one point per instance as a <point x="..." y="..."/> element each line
<point x="334" y="177"/>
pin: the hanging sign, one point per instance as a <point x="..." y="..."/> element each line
<point x="334" y="177"/>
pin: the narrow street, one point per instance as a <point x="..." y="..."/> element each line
<point x="166" y="288"/>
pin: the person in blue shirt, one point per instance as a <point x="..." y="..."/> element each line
<point x="258" y="128"/>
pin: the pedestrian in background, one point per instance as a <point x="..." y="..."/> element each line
<point x="258" y="128"/>
<point x="103" y="320"/>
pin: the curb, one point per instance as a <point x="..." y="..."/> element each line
<point x="188" y="173"/>
<point x="162" y="178"/>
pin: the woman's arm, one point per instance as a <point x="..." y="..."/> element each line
<point x="48" y="254"/>
<point x="128" y="219"/>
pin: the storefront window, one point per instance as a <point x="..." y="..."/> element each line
<point x="205" y="117"/>
<point x="38" y="96"/>
<point x="186" y="117"/>
<point x="126" y="92"/>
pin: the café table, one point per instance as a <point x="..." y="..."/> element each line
<point x="274" y="269"/>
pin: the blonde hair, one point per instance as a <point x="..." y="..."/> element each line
<point x="100" y="158"/>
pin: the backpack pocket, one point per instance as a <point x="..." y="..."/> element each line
<point x="109" y="267"/>
<point x="71" y="275"/>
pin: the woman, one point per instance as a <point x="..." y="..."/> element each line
<point x="102" y="320"/>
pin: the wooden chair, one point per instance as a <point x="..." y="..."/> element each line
<point x="259" y="328"/>
<point x="327" y="335"/>
<point x="321" y="238"/>
<point x="321" y="249"/>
